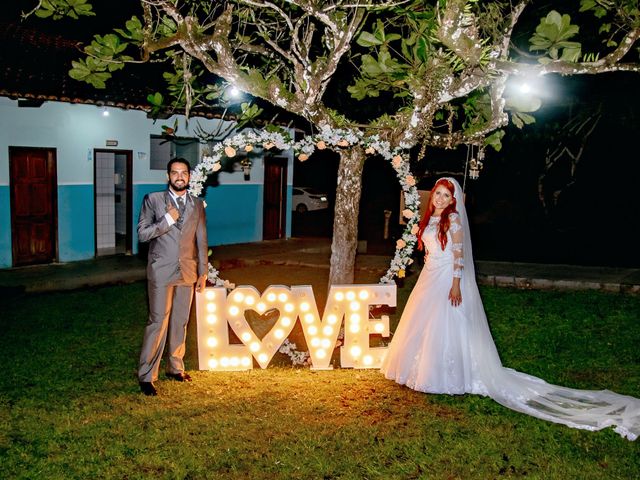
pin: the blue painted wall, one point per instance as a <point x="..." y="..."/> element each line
<point x="5" y="227"/>
<point x="76" y="231"/>
<point x="234" y="213"/>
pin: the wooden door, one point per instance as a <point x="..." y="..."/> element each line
<point x="34" y="225"/>
<point x="274" y="220"/>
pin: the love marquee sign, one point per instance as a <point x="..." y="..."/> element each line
<point x="216" y="310"/>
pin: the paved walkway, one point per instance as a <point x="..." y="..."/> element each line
<point x="313" y="253"/>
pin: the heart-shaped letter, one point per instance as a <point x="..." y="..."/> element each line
<point x="276" y="297"/>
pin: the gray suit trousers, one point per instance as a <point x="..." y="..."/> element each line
<point x="169" y="307"/>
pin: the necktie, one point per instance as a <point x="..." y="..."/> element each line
<point x="181" y="207"/>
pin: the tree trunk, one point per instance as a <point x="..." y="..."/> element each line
<point x="345" y="222"/>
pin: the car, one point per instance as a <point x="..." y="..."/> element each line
<point x="305" y="199"/>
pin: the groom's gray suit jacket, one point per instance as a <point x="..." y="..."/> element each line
<point x="176" y="255"/>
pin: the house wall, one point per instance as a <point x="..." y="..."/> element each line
<point x="234" y="206"/>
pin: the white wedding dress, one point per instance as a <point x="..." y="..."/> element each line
<point x="439" y="348"/>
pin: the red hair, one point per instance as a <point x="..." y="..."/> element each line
<point x="444" y="223"/>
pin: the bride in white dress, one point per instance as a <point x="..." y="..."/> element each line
<point x="443" y="343"/>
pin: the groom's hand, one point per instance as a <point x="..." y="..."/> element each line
<point x="173" y="211"/>
<point x="201" y="283"/>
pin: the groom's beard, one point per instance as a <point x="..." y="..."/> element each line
<point x="182" y="186"/>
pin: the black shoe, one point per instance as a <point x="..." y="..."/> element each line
<point x="148" y="389"/>
<point x="180" y="377"/>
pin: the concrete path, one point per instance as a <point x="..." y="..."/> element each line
<point x="312" y="253"/>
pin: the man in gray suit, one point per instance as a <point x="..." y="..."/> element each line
<point x="174" y="224"/>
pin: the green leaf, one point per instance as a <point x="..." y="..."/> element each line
<point x="370" y="66"/>
<point x="134" y="30"/>
<point x="604" y="28"/>
<point x="570" y="54"/>
<point x="155" y="99"/>
<point x="553" y="33"/>
<point x="526" y="118"/>
<point x="495" y="140"/>
<point x="523" y="103"/>
<point x="363" y="89"/>
<point x="43" y="13"/>
<point x="422" y="49"/>
<point x="600" y="12"/>
<point x="367" y="39"/>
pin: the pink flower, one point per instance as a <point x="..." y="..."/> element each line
<point x="370" y="150"/>
<point x="343" y="143"/>
<point x="248" y="148"/>
<point x="401" y="243"/>
<point x="268" y="145"/>
<point x="415" y="229"/>
<point x="217" y="166"/>
<point x="303" y="156"/>
<point x="396" y="161"/>
<point x="410" y="180"/>
<point x="230" y="152"/>
<point x="321" y="145"/>
<point x="407" y="213"/>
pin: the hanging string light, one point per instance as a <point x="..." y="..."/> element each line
<point x="473" y="165"/>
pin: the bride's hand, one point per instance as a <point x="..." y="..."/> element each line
<point x="455" y="296"/>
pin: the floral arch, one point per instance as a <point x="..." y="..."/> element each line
<point x="303" y="149"/>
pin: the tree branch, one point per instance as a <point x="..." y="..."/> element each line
<point x="609" y="63"/>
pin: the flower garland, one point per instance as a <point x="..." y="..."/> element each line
<point x="303" y="149"/>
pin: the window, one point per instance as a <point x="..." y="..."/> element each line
<point x="162" y="150"/>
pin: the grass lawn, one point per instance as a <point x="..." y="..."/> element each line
<point x="70" y="405"/>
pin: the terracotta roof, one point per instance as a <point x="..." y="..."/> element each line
<point x="34" y="65"/>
